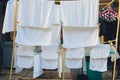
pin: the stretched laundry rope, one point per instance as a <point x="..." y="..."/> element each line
<point x="15" y="24"/>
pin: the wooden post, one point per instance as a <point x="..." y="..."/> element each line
<point x="116" y="43"/>
<point x="14" y="34"/>
<point x="102" y="39"/>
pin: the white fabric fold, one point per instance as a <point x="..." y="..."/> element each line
<point x="98" y="57"/>
<point x="25" y="61"/>
<point x="37" y="71"/>
<point x="74" y="37"/>
<point x="34" y="36"/>
<point x="56" y="32"/>
<point x="37" y="13"/>
<point x="60" y="66"/>
<point x="24" y="50"/>
<point x="15" y="56"/>
<point x="8" y="24"/>
<point x="100" y="51"/>
<point x="73" y="57"/>
<point x="80" y="13"/>
<point x="18" y="69"/>
<point x="55" y="17"/>
<point x="25" y="56"/>
<point x="98" y="64"/>
<point x="50" y="57"/>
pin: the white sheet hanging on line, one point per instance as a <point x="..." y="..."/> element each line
<point x="28" y="58"/>
<point x="35" y="13"/>
<point x="17" y="68"/>
<point x="73" y="57"/>
<point x="34" y="36"/>
<point x="56" y="32"/>
<point x="38" y="70"/>
<point x="25" y="56"/>
<point x="50" y="56"/>
<point x="8" y="24"/>
<point x="15" y="55"/>
<point x="60" y="65"/>
<point x="55" y="17"/>
<point x="51" y="59"/>
<point x="98" y="57"/>
<point x="74" y="37"/>
<point x="80" y="13"/>
<point x="55" y="25"/>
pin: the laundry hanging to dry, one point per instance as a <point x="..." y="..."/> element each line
<point x="108" y="23"/>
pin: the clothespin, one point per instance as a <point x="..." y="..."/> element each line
<point x="57" y="2"/>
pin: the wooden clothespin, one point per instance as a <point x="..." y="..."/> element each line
<point x="57" y="2"/>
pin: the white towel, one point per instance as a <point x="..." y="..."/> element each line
<point x="23" y="50"/>
<point x="73" y="57"/>
<point x="37" y="71"/>
<point x="98" y="57"/>
<point x="98" y="64"/>
<point x="55" y="17"/>
<point x="35" y="13"/>
<point x="60" y="66"/>
<point x="56" y="25"/>
<point x="8" y="24"/>
<point x="50" y="57"/>
<point x="74" y="37"/>
<point x="17" y="68"/>
<point x="25" y="61"/>
<point x="25" y="56"/>
<point x="80" y="13"/>
<point x="34" y="36"/>
<point x="28" y="58"/>
<point x="56" y="32"/>
<point x="15" y="56"/>
<point x="100" y="51"/>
